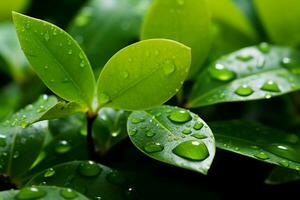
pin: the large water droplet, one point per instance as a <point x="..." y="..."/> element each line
<point x="264" y="47"/>
<point x="180" y="116"/>
<point x="221" y="73"/>
<point x="153" y="147"/>
<point x="244" y="90"/>
<point x="89" y="169"/>
<point x="62" y="147"/>
<point x="186" y="131"/>
<point x="68" y="193"/>
<point x="192" y="150"/>
<point x="291" y="65"/>
<point x="198" y="125"/>
<point x="2" y="140"/>
<point x="29" y="193"/>
<point x="169" y="67"/>
<point x="132" y="132"/>
<point x="49" y="173"/>
<point x="137" y="120"/>
<point x="262" y="155"/>
<point x="284" y="151"/>
<point x="284" y="163"/>
<point x="270" y="86"/>
<point x="199" y="136"/>
<point x="244" y="57"/>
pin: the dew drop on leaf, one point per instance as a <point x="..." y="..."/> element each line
<point x="137" y="120"/>
<point x="89" y="169"/>
<point x="186" y="131"/>
<point x="169" y="67"/>
<point x="68" y="193"/>
<point x="49" y="173"/>
<point x="244" y="57"/>
<point x="29" y="193"/>
<point x="262" y="155"/>
<point x="180" y="116"/>
<point x="284" y="151"/>
<point x="63" y="146"/>
<point x="198" y="125"/>
<point x="264" y="47"/>
<point x="199" y="136"/>
<point x="244" y="90"/>
<point x="150" y="133"/>
<point x="153" y="147"/>
<point x="103" y="98"/>
<point x="284" y="163"/>
<point x="221" y="73"/>
<point x="2" y="140"/>
<point x="270" y="86"/>
<point x="46" y="36"/>
<point x="192" y="150"/>
<point x="132" y="132"/>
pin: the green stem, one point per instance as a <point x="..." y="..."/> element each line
<point x="91" y="117"/>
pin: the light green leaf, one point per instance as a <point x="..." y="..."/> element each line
<point x="248" y="74"/>
<point x="103" y="27"/>
<point x="89" y="178"/>
<point x="173" y="135"/>
<point x="42" y="192"/>
<point x="109" y="129"/>
<point x="280" y="175"/>
<point x="186" y="21"/>
<point x="144" y="74"/>
<point x="57" y="59"/>
<point x="257" y="141"/>
<point x="281" y="20"/>
<point x="8" y="5"/>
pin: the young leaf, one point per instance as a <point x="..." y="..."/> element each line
<point x="248" y="74"/>
<point x="144" y="74"/>
<point x="91" y="179"/>
<point x="280" y="175"/>
<point x="42" y="192"/>
<point x="173" y="135"/>
<point x="56" y="58"/>
<point x="109" y="129"/>
<point x="258" y="141"/>
<point x="186" y="21"/>
<point x="281" y="20"/>
<point x="102" y="29"/>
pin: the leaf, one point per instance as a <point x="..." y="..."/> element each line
<point x="186" y="21"/>
<point x="103" y="27"/>
<point x="248" y="74"/>
<point x="19" y="147"/>
<point x="56" y="58"/>
<point x="280" y="20"/>
<point x="10" y="51"/>
<point x="109" y="129"/>
<point x="257" y="141"/>
<point x="44" y="192"/>
<point x="7" y="6"/>
<point x="143" y="75"/>
<point x="173" y="135"/>
<point x="10" y="96"/>
<point x="280" y="175"/>
<point x="87" y="177"/>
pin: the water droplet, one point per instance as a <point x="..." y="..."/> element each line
<point x="169" y="67"/>
<point x="244" y="57"/>
<point x="244" y="90"/>
<point x="186" y="131"/>
<point x="270" y="86"/>
<point x="68" y="193"/>
<point x="66" y="80"/>
<point x="264" y="47"/>
<point x="268" y="96"/>
<point x="54" y="32"/>
<point x="284" y="163"/>
<point x="153" y="147"/>
<point x="29" y="193"/>
<point x="125" y="75"/>
<point x="46" y="67"/>
<point x="62" y="147"/>
<point x="70" y="52"/>
<point x="137" y="120"/>
<point x="180" y="116"/>
<point x="192" y="150"/>
<point x="262" y="155"/>
<point x="291" y="65"/>
<point x="82" y="64"/>
<point x="49" y="173"/>
<point x="116" y="178"/>
<point x="132" y="132"/>
<point x="150" y="134"/>
<point x="16" y="155"/>
<point x="198" y="125"/>
<point x="2" y="140"/>
<point x="199" y="136"/>
<point x="284" y="151"/>
<point x="89" y="169"/>
<point x="46" y="36"/>
<point x="130" y="193"/>
<point x="219" y="72"/>
<point x="103" y="98"/>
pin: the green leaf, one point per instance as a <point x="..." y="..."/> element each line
<point x="7" y="6"/>
<point x="248" y="74"/>
<point x="10" y="96"/>
<point x="280" y="175"/>
<point x="280" y="20"/>
<point x="19" y="147"/>
<point x="109" y="129"/>
<point x="102" y="28"/>
<point x="173" y="135"/>
<point x="144" y="74"/>
<point x="11" y="53"/>
<point x="257" y="141"/>
<point x="186" y="21"/>
<point x="57" y="59"/>
<point x="89" y="178"/>
<point x="42" y="192"/>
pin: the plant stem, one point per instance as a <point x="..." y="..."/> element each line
<point x="90" y="140"/>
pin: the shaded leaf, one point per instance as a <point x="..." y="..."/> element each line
<point x="143" y="75"/>
<point x="257" y="141"/>
<point x="56" y="58"/>
<point x="280" y="175"/>
<point x="89" y="178"/>
<point x="173" y="135"/>
<point x="186" y="21"/>
<point x="248" y="74"/>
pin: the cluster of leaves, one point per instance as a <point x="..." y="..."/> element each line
<point x="191" y="50"/>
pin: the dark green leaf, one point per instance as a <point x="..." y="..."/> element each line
<point x="103" y="27"/>
<point x="248" y="74"/>
<point x="259" y="142"/>
<point x="109" y="128"/>
<point x="57" y="59"/>
<point x="42" y="192"/>
<point x="173" y="135"/>
<point x="89" y="178"/>
<point x="280" y="175"/>
<point x="10" y="96"/>
<point x="186" y="21"/>
<point x="144" y="74"/>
